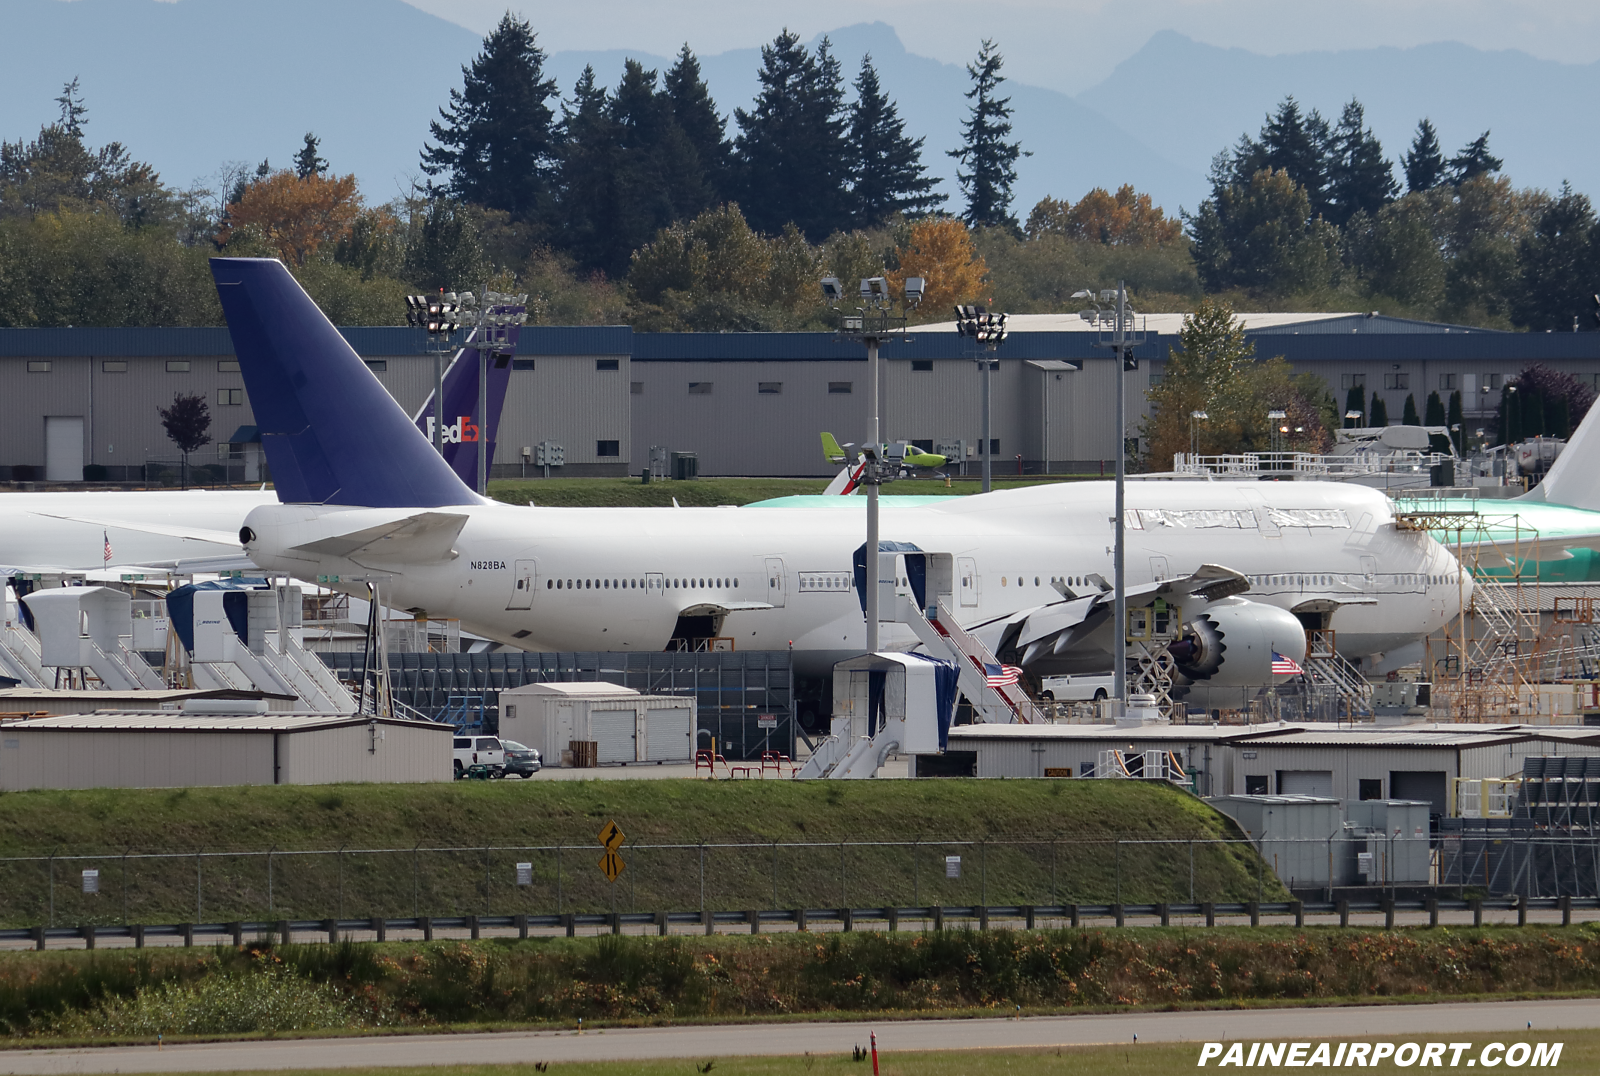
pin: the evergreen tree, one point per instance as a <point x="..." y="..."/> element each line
<point x="1355" y="400"/>
<point x="588" y="170"/>
<point x="1455" y="421"/>
<point x="74" y="113"/>
<point x="791" y="154"/>
<point x="1261" y="235"/>
<point x="1560" y="264"/>
<point x="1298" y="146"/>
<point x="1435" y="413"/>
<point x="1424" y="161"/>
<point x="1474" y="160"/>
<point x="495" y="144"/>
<point x="1409" y="416"/>
<point x="1360" y="178"/>
<point x="696" y="114"/>
<point x="1378" y="413"/>
<point x="887" y="168"/>
<point x="306" y="162"/>
<point x="990" y="160"/>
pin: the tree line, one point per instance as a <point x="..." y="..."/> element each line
<point x="640" y="201"/>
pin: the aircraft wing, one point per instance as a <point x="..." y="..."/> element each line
<point x="1055" y="627"/>
<point x="426" y="536"/>
<point x="722" y="608"/>
<point x="175" y="530"/>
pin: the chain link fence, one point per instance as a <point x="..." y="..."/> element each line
<point x="223" y="886"/>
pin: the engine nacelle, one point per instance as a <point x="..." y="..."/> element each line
<point x="1231" y="642"/>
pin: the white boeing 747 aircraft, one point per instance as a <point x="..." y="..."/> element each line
<point x="366" y="500"/>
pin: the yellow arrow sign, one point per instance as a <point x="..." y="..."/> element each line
<point x="611" y="837"/>
<point x="611" y="865"/>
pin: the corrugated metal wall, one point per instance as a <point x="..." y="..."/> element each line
<point x="61" y="758"/>
<point x="405" y="754"/>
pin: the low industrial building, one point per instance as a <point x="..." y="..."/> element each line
<point x="35" y="702"/>
<point x="159" y="750"/>
<point x="1086" y="750"/>
<point x="82" y="402"/>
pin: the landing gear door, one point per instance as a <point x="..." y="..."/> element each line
<point x="775" y="582"/>
<point x="967" y="569"/>
<point x="524" y="578"/>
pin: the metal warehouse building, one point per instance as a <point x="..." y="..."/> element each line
<point x="153" y="750"/>
<point x="1079" y="750"/>
<point x="744" y="403"/>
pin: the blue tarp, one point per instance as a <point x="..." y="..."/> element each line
<point x="916" y="570"/>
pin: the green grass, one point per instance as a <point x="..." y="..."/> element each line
<point x="709" y="492"/>
<point x="1052" y="844"/>
<point x="609" y="981"/>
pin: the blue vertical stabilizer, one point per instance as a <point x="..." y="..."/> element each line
<point x="462" y="423"/>
<point x="331" y="433"/>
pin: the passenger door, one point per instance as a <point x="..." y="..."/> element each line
<point x="967" y="568"/>
<point x="775" y="582"/>
<point x="523" y="580"/>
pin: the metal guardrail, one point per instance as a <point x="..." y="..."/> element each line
<point x="1074" y="915"/>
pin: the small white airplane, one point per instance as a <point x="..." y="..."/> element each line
<point x="197" y="530"/>
<point x="365" y="500"/>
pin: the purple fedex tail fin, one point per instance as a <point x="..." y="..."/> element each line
<point x="462" y="425"/>
<point x="332" y="434"/>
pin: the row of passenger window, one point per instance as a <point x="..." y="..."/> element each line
<point x="1331" y="580"/>
<point x="640" y="584"/>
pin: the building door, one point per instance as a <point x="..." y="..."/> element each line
<point x="1428" y="786"/>
<point x="967" y="568"/>
<point x="1305" y="782"/>
<point x="775" y="582"/>
<point x="524" y="578"/>
<point x="63" y="448"/>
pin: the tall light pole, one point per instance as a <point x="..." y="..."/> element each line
<point x="872" y="323"/>
<point x="1123" y="336"/>
<point x="440" y="316"/>
<point x="1195" y="418"/>
<point x="989" y="332"/>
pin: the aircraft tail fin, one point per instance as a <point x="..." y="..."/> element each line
<point x="831" y="450"/>
<point x="462" y="424"/>
<point x="331" y="432"/>
<point x="1574" y="478"/>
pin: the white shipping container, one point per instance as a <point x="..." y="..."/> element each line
<point x="625" y="725"/>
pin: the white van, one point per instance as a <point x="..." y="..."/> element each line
<point x="475" y="750"/>
<point x="1079" y="687"/>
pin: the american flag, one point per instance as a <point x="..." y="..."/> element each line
<point x="1282" y="666"/>
<point x="107" y="538"/>
<point x="1000" y="675"/>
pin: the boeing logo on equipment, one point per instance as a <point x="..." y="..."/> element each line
<point x="462" y="430"/>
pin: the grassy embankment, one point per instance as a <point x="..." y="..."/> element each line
<point x="710" y="492"/>
<point x="621" y="981"/>
<point x="1067" y="831"/>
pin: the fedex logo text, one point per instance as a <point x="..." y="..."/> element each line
<point x="462" y="430"/>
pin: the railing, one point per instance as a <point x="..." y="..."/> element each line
<point x="936" y="917"/>
<point x="1310" y="465"/>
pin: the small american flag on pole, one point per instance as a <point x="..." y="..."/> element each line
<point x="1000" y="675"/>
<point x="1282" y="666"/>
<point x="106" y="535"/>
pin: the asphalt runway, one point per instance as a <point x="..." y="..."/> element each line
<point x="1389" y="1022"/>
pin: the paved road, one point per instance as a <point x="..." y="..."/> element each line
<point x="1413" y="1022"/>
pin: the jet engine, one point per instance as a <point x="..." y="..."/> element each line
<point x="1231" y="642"/>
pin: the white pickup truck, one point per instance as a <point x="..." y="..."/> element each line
<point x="480" y="750"/>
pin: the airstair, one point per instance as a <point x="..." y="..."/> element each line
<point x="269" y="657"/>
<point x="981" y="672"/>
<point x="19" y="651"/>
<point x="1328" y="672"/>
<point x="87" y="633"/>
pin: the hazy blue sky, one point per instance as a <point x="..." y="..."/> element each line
<point x="1067" y="45"/>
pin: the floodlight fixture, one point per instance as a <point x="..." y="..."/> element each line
<point x="916" y="286"/>
<point x="831" y="292"/>
<point x="1275" y="414"/>
<point x="1198" y="414"/>
<point x="1084" y="294"/>
<point x="1352" y="414"/>
<point x="1108" y="295"/>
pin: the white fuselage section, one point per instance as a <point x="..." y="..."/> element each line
<point x="69" y="530"/>
<point x="617" y="579"/>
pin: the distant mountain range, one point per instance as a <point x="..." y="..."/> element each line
<point x="190" y="85"/>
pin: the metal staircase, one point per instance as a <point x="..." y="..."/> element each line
<point x="944" y="635"/>
<point x="1327" y="672"/>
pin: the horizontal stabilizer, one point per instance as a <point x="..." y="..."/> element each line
<point x="424" y="537"/>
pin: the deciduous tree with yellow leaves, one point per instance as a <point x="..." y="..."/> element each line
<point x="295" y="216"/>
<point x="940" y="250"/>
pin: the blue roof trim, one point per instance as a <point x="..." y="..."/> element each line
<point x="778" y="347"/>
<point x="1377" y="324"/>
